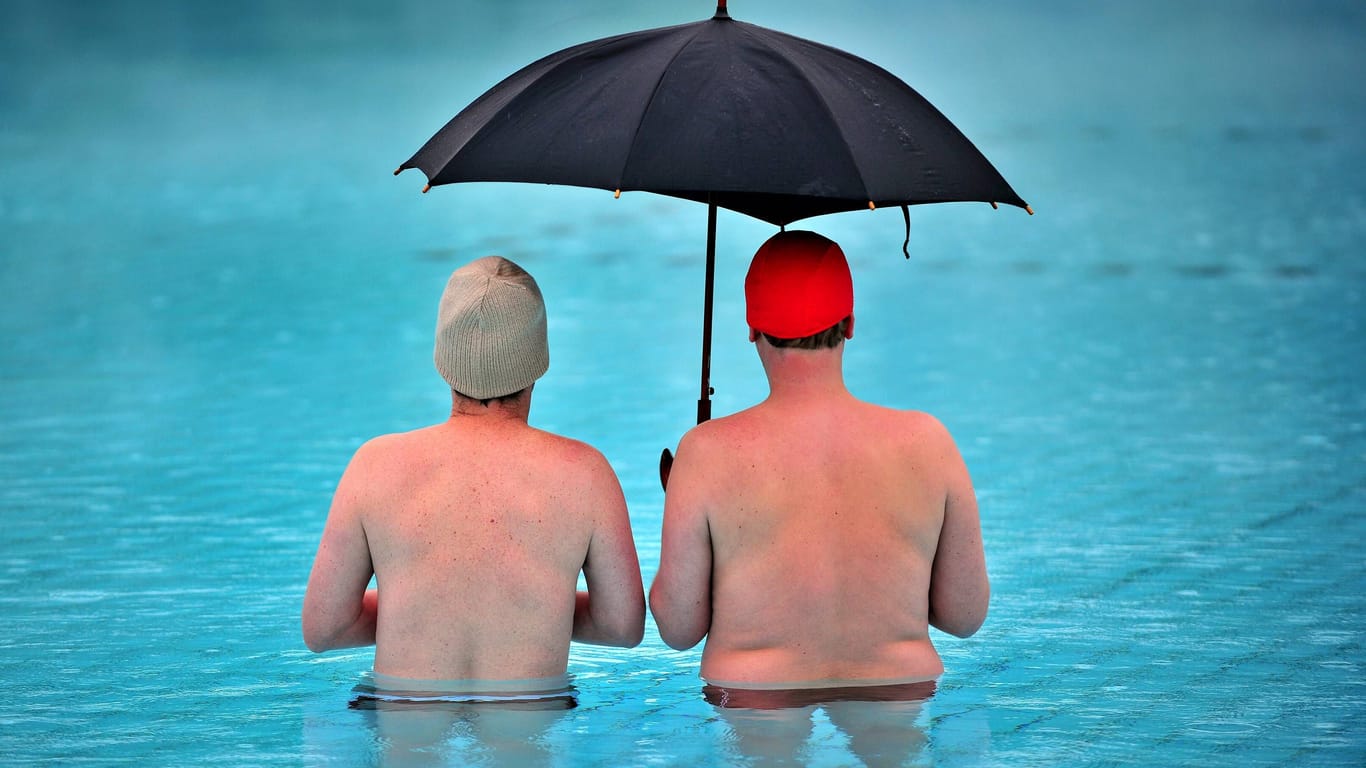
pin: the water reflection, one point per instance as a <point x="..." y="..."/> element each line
<point x="433" y="722"/>
<point x="413" y="734"/>
<point x="882" y="725"/>
<point x="661" y="723"/>
<point x="878" y="733"/>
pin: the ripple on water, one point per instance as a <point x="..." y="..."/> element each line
<point x="1224" y="727"/>
<point x="77" y="596"/>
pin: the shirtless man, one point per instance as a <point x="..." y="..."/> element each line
<point x="477" y="528"/>
<point x="814" y="538"/>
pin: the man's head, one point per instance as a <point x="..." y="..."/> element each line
<point x="490" y="330"/>
<point x="798" y="291"/>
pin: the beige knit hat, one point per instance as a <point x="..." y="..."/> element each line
<point x="490" y="330"/>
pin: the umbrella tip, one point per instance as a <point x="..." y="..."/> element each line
<point x="1029" y="210"/>
<point x="426" y="188"/>
<point x="721" y="12"/>
<point x="616" y="195"/>
<point x="994" y="206"/>
<point x="398" y="170"/>
<point x="872" y="206"/>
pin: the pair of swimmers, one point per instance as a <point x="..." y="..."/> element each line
<point x="812" y="539"/>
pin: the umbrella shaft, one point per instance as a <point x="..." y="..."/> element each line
<point x="704" y="401"/>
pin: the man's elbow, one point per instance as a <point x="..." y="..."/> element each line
<point x="632" y="636"/>
<point x="677" y="635"/>
<point x="316" y="636"/>
<point x="958" y="626"/>
<point x="680" y="641"/>
<point x="961" y="619"/>
<point x="628" y="631"/>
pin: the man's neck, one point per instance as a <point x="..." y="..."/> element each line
<point x="509" y="410"/>
<point x="803" y="373"/>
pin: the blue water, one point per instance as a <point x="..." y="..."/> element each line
<point x="212" y="290"/>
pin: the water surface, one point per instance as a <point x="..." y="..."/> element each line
<point x="212" y="291"/>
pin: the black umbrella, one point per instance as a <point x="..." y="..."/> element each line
<point x="721" y="112"/>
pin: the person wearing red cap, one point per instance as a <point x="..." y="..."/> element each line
<point x="813" y="539"/>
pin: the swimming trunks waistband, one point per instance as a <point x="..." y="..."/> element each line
<point x="767" y="696"/>
<point x="377" y="687"/>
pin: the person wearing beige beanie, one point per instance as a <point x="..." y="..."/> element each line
<point x="490" y="330"/>
<point x="478" y="528"/>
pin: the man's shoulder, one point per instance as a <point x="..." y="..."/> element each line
<point x="561" y="462"/>
<point x="724" y="429"/>
<point x="919" y="433"/>
<point x="917" y="427"/>
<point x="568" y="451"/>
<point x="377" y="466"/>
<point x="377" y="458"/>
<point x="905" y="418"/>
<point x="381" y="446"/>
<point x="554" y="441"/>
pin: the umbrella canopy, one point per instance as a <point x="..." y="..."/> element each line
<point x="721" y="112"/>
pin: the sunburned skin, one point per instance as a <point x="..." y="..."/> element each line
<point x="814" y="538"/>
<point x="476" y="530"/>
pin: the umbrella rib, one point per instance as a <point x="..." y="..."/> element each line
<point x="580" y="49"/>
<point x="800" y="69"/>
<point x="545" y="66"/>
<point x="820" y="97"/>
<point x="663" y="72"/>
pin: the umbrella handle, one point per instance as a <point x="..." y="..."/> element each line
<point x="666" y="464"/>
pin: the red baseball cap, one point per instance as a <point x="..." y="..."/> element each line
<point x="798" y="284"/>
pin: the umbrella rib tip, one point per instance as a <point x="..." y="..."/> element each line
<point x="398" y="170"/>
<point x="616" y="195"/>
<point x="426" y="188"/>
<point x="1028" y="209"/>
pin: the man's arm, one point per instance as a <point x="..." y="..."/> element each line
<point x="959" y="588"/>
<point x="339" y="612"/>
<point x="680" y="597"/>
<point x="612" y="610"/>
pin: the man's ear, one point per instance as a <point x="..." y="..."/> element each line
<point x="753" y="335"/>
<point x="849" y="328"/>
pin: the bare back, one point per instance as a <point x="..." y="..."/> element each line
<point x="476" y="534"/>
<point x="825" y="527"/>
<point x="477" y="550"/>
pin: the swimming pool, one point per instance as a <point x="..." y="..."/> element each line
<point x="211" y="292"/>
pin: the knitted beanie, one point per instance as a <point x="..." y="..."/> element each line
<point x="491" y="330"/>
